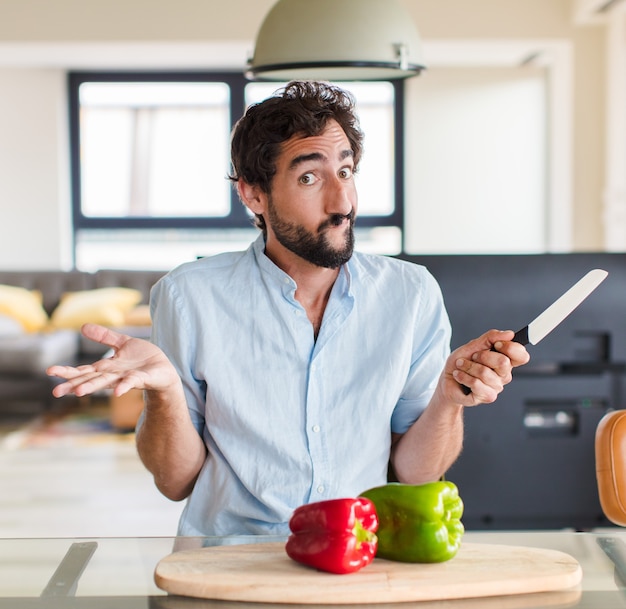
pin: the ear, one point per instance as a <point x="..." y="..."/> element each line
<point x="252" y="197"/>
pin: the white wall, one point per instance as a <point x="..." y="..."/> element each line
<point x="34" y="173"/>
<point x="476" y="162"/>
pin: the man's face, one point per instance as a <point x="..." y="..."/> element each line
<point x="313" y="202"/>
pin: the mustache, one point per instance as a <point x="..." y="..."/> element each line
<point x="336" y="220"/>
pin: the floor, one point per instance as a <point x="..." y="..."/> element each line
<point x="78" y="489"/>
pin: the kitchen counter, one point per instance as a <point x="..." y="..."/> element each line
<point x="119" y="572"/>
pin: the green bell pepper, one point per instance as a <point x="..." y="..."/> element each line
<point x="418" y="523"/>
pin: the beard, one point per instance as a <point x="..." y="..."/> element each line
<point x="314" y="247"/>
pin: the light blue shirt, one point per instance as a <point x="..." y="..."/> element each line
<point x="288" y="419"/>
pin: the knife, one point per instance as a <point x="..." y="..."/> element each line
<point x="545" y="322"/>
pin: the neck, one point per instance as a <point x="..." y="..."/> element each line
<point x="313" y="291"/>
<point x="314" y="283"/>
<point x="313" y="294"/>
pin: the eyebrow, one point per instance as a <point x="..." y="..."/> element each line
<point x="317" y="156"/>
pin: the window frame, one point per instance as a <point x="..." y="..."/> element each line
<point x="237" y="218"/>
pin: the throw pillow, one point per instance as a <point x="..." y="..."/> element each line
<point x="23" y="305"/>
<point x="104" y="306"/>
<point x="139" y="316"/>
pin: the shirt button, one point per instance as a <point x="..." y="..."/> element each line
<point x="313" y="367"/>
<point x="316" y="428"/>
<point x="320" y="489"/>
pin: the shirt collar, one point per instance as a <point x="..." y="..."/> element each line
<point x="344" y="279"/>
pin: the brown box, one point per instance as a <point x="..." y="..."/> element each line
<point x="125" y="409"/>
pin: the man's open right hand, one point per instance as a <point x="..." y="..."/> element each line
<point x="135" y="364"/>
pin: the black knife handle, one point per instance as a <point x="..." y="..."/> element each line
<point x="521" y="336"/>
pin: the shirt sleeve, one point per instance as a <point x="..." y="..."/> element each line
<point x="172" y="332"/>
<point x="431" y="347"/>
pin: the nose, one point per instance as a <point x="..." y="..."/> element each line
<point x="341" y="197"/>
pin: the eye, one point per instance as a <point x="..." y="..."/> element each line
<point x="307" y="179"/>
<point x="346" y="173"/>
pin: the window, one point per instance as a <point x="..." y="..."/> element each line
<point x="154" y="149"/>
<point x="150" y="156"/>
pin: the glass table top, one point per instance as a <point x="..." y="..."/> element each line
<point x="119" y="572"/>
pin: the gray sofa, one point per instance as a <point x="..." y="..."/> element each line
<point x="24" y="357"/>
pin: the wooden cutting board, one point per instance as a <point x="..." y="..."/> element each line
<point x="264" y="573"/>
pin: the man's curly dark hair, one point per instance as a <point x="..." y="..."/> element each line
<point x="301" y="108"/>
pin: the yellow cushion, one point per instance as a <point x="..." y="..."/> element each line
<point x="139" y="316"/>
<point x="104" y="306"/>
<point x="23" y="305"/>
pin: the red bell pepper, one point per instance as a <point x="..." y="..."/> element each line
<point x="338" y="535"/>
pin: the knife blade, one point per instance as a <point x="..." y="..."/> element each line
<point x="545" y="322"/>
